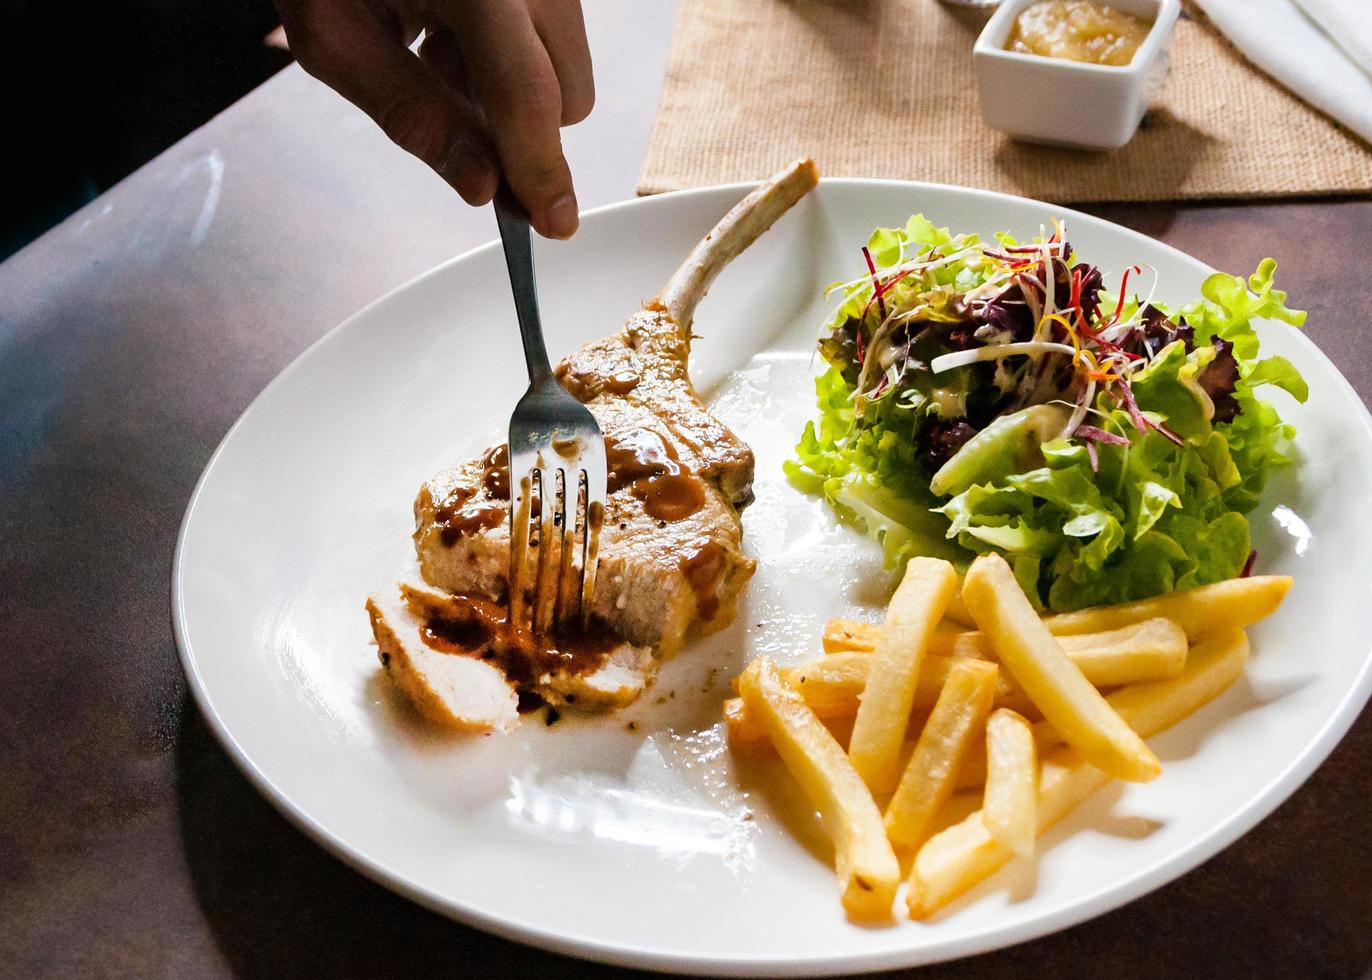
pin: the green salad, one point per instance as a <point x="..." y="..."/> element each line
<point x="997" y="396"/>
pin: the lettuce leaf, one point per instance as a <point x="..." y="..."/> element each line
<point x="1079" y="527"/>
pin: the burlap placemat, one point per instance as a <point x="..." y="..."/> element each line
<point x="885" y="88"/>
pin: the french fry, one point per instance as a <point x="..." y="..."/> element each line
<point x="884" y="710"/>
<point x="850" y="636"/>
<point x="957" y="610"/>
<point x="856" y="636"/>
<point x="972" y="775"/>
<point x="951" y="862"/>
<point x="1150" y="650"/>
<point x="832" y="686"/>
<point x="1206" y="609"/>
<point x="868" y="872"/>
<point x="1056" y="685"/>
<point x="1200" y="611"/>
<point x="743" y="732"/>
<point x="1012" y="778"/>
<point x="929" y="778"/>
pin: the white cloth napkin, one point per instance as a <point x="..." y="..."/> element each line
<point x="1348" y="22"/>
<point x="1320" y="49"/>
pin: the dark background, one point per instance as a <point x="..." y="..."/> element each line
<point x="91" y="91"/>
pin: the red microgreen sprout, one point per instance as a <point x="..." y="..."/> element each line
<point x="1092" y="434"/>
<point x="877" y="290"/>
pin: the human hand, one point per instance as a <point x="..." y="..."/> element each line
<point x="493" y="83"/>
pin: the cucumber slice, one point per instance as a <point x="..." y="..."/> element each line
<point x="1010" y="444"/>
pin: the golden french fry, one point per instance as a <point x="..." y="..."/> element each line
<point x="928" y="781"/>
<point x="973" y="772"/>
<point x="884" y="710"/>
<point x="1056" y="685"/>
<point x="1150" y="650"/>
<point x="739" y="727"/>
<point x="833" y="685"/>
<point x="868" y="872"/>
<point x="1012" y="778"/>
<point x="850" y="636"/>
<point x="951" y="862"/>
<point x="1201" y="611"/>
<point x="1213" y="664"/>
<point x="957" y="610"/>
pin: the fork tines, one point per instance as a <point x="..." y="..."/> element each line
<point x="555" y="519"/>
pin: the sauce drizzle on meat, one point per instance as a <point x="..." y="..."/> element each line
<point x="640" y="460"/>
<point x="703" y="569"/>
<point x="648" y="465"/>
<point x="461" y="515"/>
<point x="472" y="626"/>
<point x="614" y="371"/>
<point x="495" y="471"/>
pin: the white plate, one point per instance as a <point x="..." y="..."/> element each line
<point x="641" y="844"/>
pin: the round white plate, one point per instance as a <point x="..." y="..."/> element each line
<point x="634" y="839"/>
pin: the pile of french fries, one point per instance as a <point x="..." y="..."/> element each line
<point x="1034" y="714"/>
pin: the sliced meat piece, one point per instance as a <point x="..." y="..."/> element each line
<point x="451" y="668"/>
<point x="458" y="692"/>
<point x="671" y="558"/>
<point x="589" y="672"/>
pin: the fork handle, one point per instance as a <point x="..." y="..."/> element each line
<point x="519" y="261"/>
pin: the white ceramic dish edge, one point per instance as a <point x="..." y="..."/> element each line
<point x="1085" y="907"/>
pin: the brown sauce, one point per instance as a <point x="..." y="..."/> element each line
<point x="605" y="369"/>
<point x="568" y="448"/>
<point x="649" y="467"/>
<point x="495" y="471"/>
<point x="670" y="497"/>
<point x="476" y="627"/>
<point x="703" y="570"/>
<point x="462" y="514"/>
<point x="640" y="460"/>
<point x="622" y="383"/>
<point x="638" y="455"/>
<point x="459" y="517"/>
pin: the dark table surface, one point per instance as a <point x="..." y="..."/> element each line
<point x="135" y="333"/>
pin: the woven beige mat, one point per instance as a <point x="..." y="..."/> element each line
<point x="885" y="88"/>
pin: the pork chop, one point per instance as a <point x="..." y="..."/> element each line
<point x="671" y="559"/>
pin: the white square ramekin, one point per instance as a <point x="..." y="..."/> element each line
<point x="1071" y="103"/>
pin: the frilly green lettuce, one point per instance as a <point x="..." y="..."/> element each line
<point x="1149" y="516"/>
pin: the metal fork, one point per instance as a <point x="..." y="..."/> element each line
<point x="557" y="464"/>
